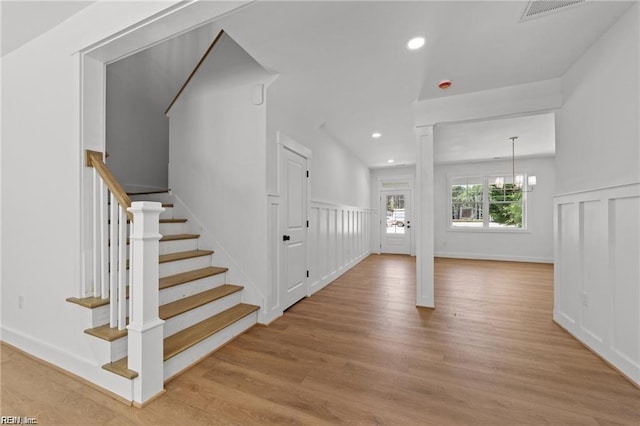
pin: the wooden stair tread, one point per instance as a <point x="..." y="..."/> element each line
<point x="189" y="337"/>
<point x="186" y="304"/>
<point x="120" y="368"/>
<point x="173" y="237"/>
<point x="169" y="220"/>
<point x="172" y="257"/>
<point x="185" y="277"/>
<point x="105" y="332"/>
<point x="176" y="237"/>
<point x="167" y="205"/>
<point x="165" y="282"/>
<point x="89" y="302"/>
<point x="173" y="220"/>
<point x="157" y="191"/>
<point x="169" y="310"/>
<point x="193" y="335"/>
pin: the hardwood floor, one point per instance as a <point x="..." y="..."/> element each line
<point x="360" y="352"/>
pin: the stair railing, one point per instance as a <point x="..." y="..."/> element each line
<point x="112" y="212"/>
<point x="110" y="240"/>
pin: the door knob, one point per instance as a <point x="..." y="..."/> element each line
<point x="286" y="237"/>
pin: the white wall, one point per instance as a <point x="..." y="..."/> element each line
<point x="533" y="245"/>
<point x="598" y="129"/>
<point x="597" y="239"/>
<point x="137" y="136"/>
<point x="339" y="212"/>
<point x="218" y="161"/>
<point x="339" y="238"/>
<point x="339" y="177"/>
<point x="42" y="164"/>
<point x="398" y="174"/>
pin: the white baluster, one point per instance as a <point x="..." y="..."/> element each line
<point x="122" y="268"/>
<point x="96" y="234"/>
<point x="113" y="261"/>
<point x="145" y="337"/>
<point x="104" y="256"/>
<point x="129" y="234"/>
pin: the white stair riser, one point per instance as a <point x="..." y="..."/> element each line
<point x="181" y="291"/>
<point x="167" y="213"/>
<point x="195" y="353"/>
<point x="179" y="266"/>
<point x="108" y="351"/>
<point x="174" y="228"/>
<point x="177" y="246"/>
<point x="100" y="315"/>
<point x="161" y="197"/>
<point x="201" y="313"/>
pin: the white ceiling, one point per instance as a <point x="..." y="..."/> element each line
<point x="481" y="140"/>
<point x="345" y="63"/>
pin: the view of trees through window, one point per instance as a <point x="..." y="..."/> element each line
<point x="395" y="214"/>
<point x="475" y="202"/>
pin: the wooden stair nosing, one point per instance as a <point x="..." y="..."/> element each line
<point x="164" y="282"/>
<point x="185" y="277"/>
<point x="157" y="191"/>
<point x="169" y="310"/>
<point x="105" y="332"/>
<point x="89" y="302"/>
<point x="120" y="367"/>
<point x="177" y="237"/>
<point x="182" y="255"/>
<point x="171" y="237"/>
<point x="191" y="336"/>
<point x="168" y="220"/>
<point x="186" y="304"/>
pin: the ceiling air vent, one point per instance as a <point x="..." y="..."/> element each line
<point x="539" y="8"/>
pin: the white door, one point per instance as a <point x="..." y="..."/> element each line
<point x="293" y="285"/>
<point x="396" y="222"/>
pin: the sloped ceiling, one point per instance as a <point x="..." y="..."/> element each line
<point x="22" y="21"/>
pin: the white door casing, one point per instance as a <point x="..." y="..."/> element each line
<point x="295" y="206"/>
<point x="395" y="223"/>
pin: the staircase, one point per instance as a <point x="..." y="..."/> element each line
<point x="201" y="310"/>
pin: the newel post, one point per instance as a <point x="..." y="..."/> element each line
<point x="145" y="327"/>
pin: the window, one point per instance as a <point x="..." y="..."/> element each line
<point x="395" y="214"/>
<point x="477" y="203"/>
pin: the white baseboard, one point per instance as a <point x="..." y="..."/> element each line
<point x="81" y="367"/>
<point x="506" y="258"/>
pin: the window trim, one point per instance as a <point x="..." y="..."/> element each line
<point x="487" y="178"/>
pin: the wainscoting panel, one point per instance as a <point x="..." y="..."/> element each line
<point x="272" y="303"/>
<point x="597" y="272"/>
<point x="338" y="239"/>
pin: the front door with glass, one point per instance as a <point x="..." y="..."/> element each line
<point x="395" y="222"/>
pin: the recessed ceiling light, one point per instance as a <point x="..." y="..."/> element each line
<point x="389" y="161"/>
<point x="415" y="43"/>
<point x="376" y="135"/>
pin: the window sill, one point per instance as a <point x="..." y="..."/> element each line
<point x="490" y="230"/>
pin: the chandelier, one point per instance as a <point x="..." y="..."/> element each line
<point x="517" y="182"/>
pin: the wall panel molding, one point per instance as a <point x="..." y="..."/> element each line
<point x="339" y="238"/>
<point x="597" y="272"/>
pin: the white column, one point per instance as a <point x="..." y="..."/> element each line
<point x="424" y="220"/>
<point x="145" y="328"/>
